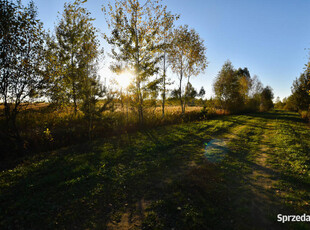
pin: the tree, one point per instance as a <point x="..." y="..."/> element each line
<point x="136" y="32"/>
<point x="243" y="72"/>
<point x="202" y="92"/>
<point x="167" y="34"/>
<point x="299" y="100"/>
<point x="21" y="58"/>
<point x="187" y="57"/>
<point x="56" y="90"/>
<point x="300" y="89"/>
<point x="175" y="94"/>
<point x="278" y="103"/>
<point x="244" y="81"/>
<point x="307" y="72"/>
<point x="190" y="93"/>
<point x="72" y="62"/>
<point x="256" y="87"/>
<point x="266" y="99"/>
<point x="78" y="51"/>
<point x="227" y="88"/>
<point x="90" y="87"/>
<point x="289" y="104"/>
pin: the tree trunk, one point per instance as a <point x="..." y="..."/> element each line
<point x="164" y="87"/>
<point x="13" y="132"/>
<point x="127" y="102"/>
<point x="186" y="93"/>
<point x="73" y="84"/>
<point x="141" y="111"/>
<point x="140" y="96"/>
<point x="180" y="88"/>
<point x="74" y="98"/>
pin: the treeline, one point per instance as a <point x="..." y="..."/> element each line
<point x="299" y="100"/>
<point x="236" y="91"/>
<point x="61" y="68"/>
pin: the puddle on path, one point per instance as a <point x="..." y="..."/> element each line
<point x="216" y="150"/>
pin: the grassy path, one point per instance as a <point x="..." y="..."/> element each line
<point x="264" y="181"/>
<point x="162" y="179"/>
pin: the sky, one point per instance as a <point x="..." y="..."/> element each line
<point x="269" y="37"/>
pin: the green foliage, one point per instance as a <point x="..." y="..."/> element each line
<point x="227" y="88"/>
<point x="48" y="135"/>
<point x="266" y="99"/>
<point x="187" y="58"/>
<point x="21" y="58"/>
<point x="299" y="100"/>
<point x="202" y="92"/>
<point x="300" y="92"/>
<point x="237" y="92"/>
<point x="190" y="94"/>
<point x="166" y="44"/>
<point x="73" y="58"/>
<point x="54" y="74"/>
<point x="245" y="82"/>
<point x="136" y="41"/>
<point x="278" y="104"/>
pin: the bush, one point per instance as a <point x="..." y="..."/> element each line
<point x="305" y="115"/>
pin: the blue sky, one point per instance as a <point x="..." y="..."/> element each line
<point x="269" y="37"/>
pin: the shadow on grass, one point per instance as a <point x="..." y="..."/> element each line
<point x="94" y="184"/>
<point x="280" y="115"/>
<point x="154" y="179"/>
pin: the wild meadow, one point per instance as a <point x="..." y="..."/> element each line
<point x="161" y="178"/>
<point x="146" y="149"/>
<point x="43" y="128"/>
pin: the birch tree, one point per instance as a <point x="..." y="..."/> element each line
<point x="77" y="50"/>
<point x="135" y="33"/>
<point x="187" y="58"/>
<point x="167" y="42"/>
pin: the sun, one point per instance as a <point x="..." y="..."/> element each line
<point x="124" y="79"/>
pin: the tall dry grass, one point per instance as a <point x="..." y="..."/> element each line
<point x="43" y="127"/>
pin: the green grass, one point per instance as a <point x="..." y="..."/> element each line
<point x="160" y="179"/>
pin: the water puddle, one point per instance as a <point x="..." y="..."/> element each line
<point x="216" y="150"/>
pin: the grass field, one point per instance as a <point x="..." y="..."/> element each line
<point x="164" y="178"/>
